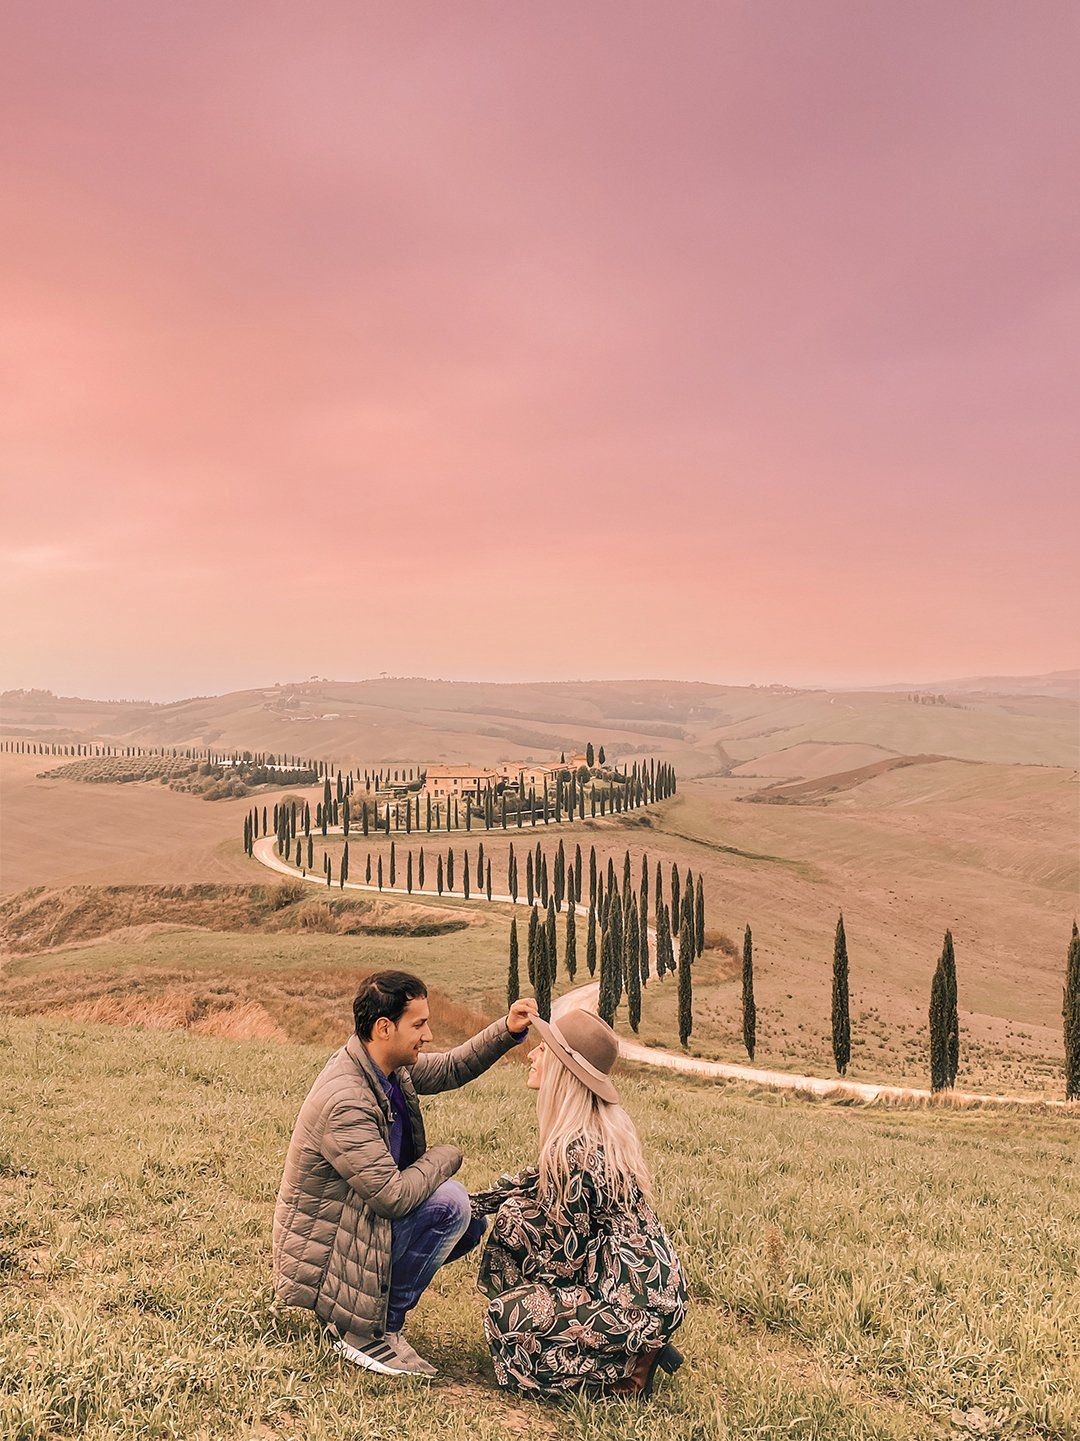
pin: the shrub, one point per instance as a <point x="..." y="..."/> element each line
<point x="287" y="894"/>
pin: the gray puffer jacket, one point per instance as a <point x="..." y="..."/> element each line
<point x="342" y="1189"/>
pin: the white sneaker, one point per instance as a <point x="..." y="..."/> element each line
<point x="416" y="1364"/>
<point x="380" y="1355"/>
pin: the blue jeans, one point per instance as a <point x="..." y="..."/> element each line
<point x="441" y="1229"/>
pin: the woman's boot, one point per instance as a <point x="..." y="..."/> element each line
<point x="640" y="1380"/>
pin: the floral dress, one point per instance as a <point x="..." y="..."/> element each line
<point x="573" y="1300"/>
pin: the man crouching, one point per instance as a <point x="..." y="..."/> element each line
<point x="366" y="1212"/>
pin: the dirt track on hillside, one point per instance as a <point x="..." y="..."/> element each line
<point x="586" y="997"/>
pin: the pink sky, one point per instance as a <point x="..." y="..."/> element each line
<point x="720" y="341"/>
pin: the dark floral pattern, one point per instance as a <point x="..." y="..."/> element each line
<point x="572" y="1300"/>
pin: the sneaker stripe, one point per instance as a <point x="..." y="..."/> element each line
<point x="378" y="1357"/>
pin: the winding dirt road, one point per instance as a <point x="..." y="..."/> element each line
<point x="586" y="997"/>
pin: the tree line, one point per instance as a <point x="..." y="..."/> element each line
<point x="342" y="807"/>
<point x="616" y="930"/>
<point x="943" y="1011"/>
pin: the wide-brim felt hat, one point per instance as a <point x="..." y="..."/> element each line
<point x="586" y="1046"/>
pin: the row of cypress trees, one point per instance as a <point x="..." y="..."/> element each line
<point x="617" y="928"/>
<point x="192" y="753"/>
<point x="944" y="1015"/>
<point x="642" y="784"/>
<point x="616" y="936"/>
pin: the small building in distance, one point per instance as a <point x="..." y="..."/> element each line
<point x="527" y="774"/>
<point x="459" y="781"/>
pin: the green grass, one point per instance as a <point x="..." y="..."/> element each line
<point x="855" y="1274"/>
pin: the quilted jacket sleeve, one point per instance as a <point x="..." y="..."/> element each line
<point x="354" y="1146"/>
<point x="446" y="1070"/>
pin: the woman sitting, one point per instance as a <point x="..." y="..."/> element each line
<point x="585" y="1289"/>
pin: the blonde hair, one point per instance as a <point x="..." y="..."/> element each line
<point x="572" y="1118"/>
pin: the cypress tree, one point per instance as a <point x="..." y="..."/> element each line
<point x="605" y="1005"/>
<point x="590" y="940"/>
<point x="615" y="926"/>
<point x="380" y="873"/>
<point x="687" y="906"/>
<point x="953" y="1015"/>
<point x="344" y="865"/>
<point x="626" y="875"/>
<point x="632" y="965"/>
<point x="1070" y="1013"/>
<point x="543" y="882"/>
<point x="439" y="874"/>
<point x="699" y="916"/>
<point x="542" y="967"/>
<point x="551" y="944"/>
<point x="675" y="912"/>
<point x="310" y="852"/>
<point x="367" y="870"/>
<point x="592" y="873"/>
<point x="450" y="868"/>
<point x="346" y="815"/>
<point x="408" y="872"/>
<point x="686" y="984"/>
<point x="841" y="1008"/>
<point x="465" y="875"/>
<point x="560" y="875"/>
<point x="944" y="1021"/>
<point x="590" y="755"/>
<point x="749" y="1008"/>
<point x="487" y="885"/>
<point x="513" y="979"/>
<point x="393" y="864"/>
<point x="420" y="869"/>
<point x="534" y="926"/>
<point x="571" y="944"/>
<point x="530" y="884"/>
<point x="601" y="755"/>
<point x="511" y="879"/>
<point x="643" y="917"/>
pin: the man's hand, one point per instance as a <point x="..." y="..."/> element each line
<point x="519" y="1017"/>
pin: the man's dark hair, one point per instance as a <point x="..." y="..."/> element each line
<point x="384" y="993"/>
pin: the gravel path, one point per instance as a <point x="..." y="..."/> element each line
<point x="586" y="997"/>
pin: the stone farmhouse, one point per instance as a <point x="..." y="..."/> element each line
<point x="459" y="782"/>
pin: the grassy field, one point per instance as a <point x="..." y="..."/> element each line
<point x="855" y="1274"/>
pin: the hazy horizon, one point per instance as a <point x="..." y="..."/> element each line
<point x="175" y="698"/>
<point x="738" y="340"/>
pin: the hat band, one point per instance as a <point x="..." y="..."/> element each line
<point x="578" y="1057"/>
